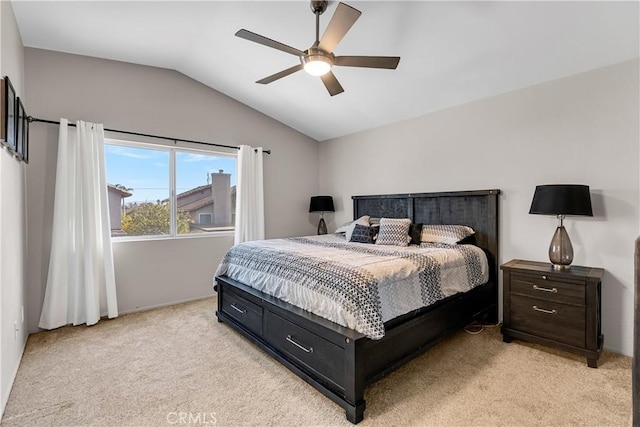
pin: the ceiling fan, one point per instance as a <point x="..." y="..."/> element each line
<point x="319" y="58"/>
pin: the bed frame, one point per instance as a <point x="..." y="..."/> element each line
<point x="340" y="362"/>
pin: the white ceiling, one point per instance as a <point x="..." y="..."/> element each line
<point x="452" y="52"/>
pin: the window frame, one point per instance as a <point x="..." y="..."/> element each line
<point x="173" y="232"/>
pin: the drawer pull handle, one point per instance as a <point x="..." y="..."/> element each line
<point x="300" y="346"/>
<point x="539" y="288"/>
<point x="233" y="305"/>
<point x="535" y="307"/>
<point x="544" y="277"/>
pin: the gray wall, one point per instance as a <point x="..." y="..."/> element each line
<point x="12" y="219"/>
<point x="163" y="102"/>
<point x="582" y="129"/>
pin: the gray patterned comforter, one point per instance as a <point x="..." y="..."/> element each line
<point x="360" y="286"/>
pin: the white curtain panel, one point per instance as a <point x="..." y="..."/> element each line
<point x="81" y="282"/>
<point x="250" y="195"/>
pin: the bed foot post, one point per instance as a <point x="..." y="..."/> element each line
<point x="355" y="413"/>
<point x="218" y="318"/>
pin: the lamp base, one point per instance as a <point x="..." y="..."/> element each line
<point x="322" y="227"/>
<point x="561" y="250"/>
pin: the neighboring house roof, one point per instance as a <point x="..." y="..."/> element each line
<point x="123" y="193"/>
<point x="196" y="204"/>
<point x="194" y="190"/>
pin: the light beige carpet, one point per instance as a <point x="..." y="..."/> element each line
<point x="154" y="367"/>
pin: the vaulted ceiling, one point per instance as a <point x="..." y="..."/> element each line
<point x="452" y="52"/>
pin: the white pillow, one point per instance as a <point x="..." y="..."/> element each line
<point x="348" y="228"/>
<point x="449" y="234"/>
<point x="394" y="231"/>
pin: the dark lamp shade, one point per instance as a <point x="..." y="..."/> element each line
<point x="321" y="204"/>
<point x="561" y="200"/>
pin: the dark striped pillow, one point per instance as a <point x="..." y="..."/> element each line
<point x="415" y="232"/>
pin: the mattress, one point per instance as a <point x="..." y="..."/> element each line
<point x="356" y="285"/>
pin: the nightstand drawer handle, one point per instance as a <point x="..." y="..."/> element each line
<point x="238" y="309"/>
<point x="544" y="277"/>
<point x="300" y="346"/>
<point x="535" y="307"/>
<point x="539" y="288"/>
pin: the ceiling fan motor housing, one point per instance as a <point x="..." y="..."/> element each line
<point x="318" y="7"/>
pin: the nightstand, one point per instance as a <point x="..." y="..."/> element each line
<point x="558" y="308"/>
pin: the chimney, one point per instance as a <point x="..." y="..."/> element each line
<point x="221" y="193"/>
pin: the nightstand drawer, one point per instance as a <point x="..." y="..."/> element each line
<point x="543" y="287"/>
<point x="548" y="319"/>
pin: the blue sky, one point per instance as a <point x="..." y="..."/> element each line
<point x="146" y="171"/>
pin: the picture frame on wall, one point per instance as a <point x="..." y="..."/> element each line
<point x="9" y="115"/>
<point x="3" y="128"/>
<point x="20" y="129"/>
<point x="25" y="136"/>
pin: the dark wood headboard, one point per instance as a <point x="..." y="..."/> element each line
<point x="477" y="209"/>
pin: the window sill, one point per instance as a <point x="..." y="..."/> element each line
<point x="216" y="234"/>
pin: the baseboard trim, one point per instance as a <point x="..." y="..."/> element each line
<point x="167" y="304"/>
<point x="5" y="396"/>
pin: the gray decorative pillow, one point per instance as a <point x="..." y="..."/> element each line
<point x="393" y="232"/>
<point x="364" y="234"/>
<point x="449" y="234"/>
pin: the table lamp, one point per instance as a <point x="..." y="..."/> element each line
<point x="321" y="204"/>
<point x="561" y="200"/>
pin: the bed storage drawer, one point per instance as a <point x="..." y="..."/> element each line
<point x="243" y="310"/>
<point x="307" y="348"/>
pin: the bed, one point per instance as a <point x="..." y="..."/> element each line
<point x="339" y="361"/>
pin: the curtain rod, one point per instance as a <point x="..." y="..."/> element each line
<point x="175" y="140"/>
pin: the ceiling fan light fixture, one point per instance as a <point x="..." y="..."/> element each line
<point x="316" y="62"/>
<point x="317" y="67"/>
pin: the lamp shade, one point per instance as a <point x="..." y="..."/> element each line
<point x="321" y="204"/>
<point x="561" y="200"/>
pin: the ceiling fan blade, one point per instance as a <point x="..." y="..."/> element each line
<point x="341" y="21"/>
<point x="257" y="38"/>
<point x="331" y="83"/>
<point x="389" y="62"/>
<point x="281" y="74"/>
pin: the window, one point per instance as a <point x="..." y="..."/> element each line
<point x="205" y="218"/>
<point x="163" y="191"/>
